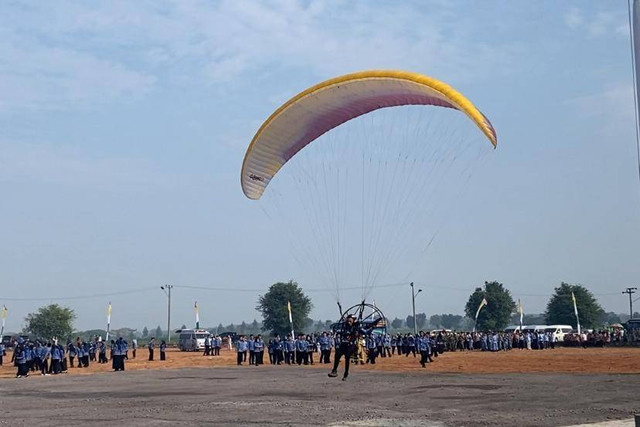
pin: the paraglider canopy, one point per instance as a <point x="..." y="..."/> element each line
<point x="315" y="111"/>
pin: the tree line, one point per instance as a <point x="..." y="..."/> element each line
<point x="501" y="310"/>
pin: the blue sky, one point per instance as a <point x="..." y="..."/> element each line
<point x="123" y="126"/>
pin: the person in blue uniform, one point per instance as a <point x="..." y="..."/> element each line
<point x="241" y="348"/>
<point x="289" y="347"/>
<point x="371" y="349"/>
<point x="207" y="346"/>
<point x="277" y="349"/>
<point x="71" y="349"/>
<point x="55" y="359"/>
<point x="325" y="348"/>
<point x="259" y="350"/>
<point x="217" y="343"/>
<point x="301" y="350"/>
<point x="163" y="350"/>
<point x="19" y="357"/>
<point x="311" y="348"/>
<point x="102" y="352"/>
<point x="423" y="347"/>
<point x="252" y="351"/>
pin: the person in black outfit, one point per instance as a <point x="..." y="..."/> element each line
<point x="345" y="341"/>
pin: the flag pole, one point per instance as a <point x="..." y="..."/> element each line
<point x="291" y="319"/>
<point x="521" y="309"/>
<point x="575" y="309"/>
<point x="108" y="321"/>
<point x="4" y="318"/>
<point x="195" y="307"/>
<point x="482" y="304"/>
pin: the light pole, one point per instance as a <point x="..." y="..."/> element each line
<point x="630" y="291"/>
<point x="413" y="303"/>
<point x="167" y="291"/>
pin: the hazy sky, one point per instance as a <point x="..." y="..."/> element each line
<point x="123" y="126"/>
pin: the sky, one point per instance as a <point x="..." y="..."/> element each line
<point x="123" y="126"/>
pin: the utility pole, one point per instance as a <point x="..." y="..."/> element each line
<point x="413" y="303"/>
<point x="167" y="291"/>
<point x="630" y="291"/>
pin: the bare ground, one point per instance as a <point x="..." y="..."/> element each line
<point x="153" y="393"/>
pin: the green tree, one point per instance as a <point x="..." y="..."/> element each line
<point x="560" y="307"/>
<point x="410" y="322"/>
<point x="421" y="320"/>
<point x="308" y="324"/>
<point x="159" y="332"/>
<point x="451" y="321"/>
<point x="610" y="318"/>
<point x="51" y="321"/>
<point x="183" y="326"/>
<point x="436" y="321"/>
<point x="273" y="306"/>
<point x="397" y="323"/>
<point x="528" y="319"/>
<point x="500" y="305"/>
<point x="255" y="326"/>
<point x="145" y="332"/>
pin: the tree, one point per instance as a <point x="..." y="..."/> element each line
<point x="51" y="321"/>
<point x="610" y="318"/>
<point x="242" y="329"/>
<point x="158" y="332"/>
<point x="126" y="333"/>
<point x="451" y="321"/>
<point x="397" y="323"/>
<point x="421" y="320"/>
<point x="528" y="319"/>
<point x="255" y="327"/>
<point x="500" y="305"/>
<point x="273" y="306"/>
<point x="220" y="328"/>
<point x="446" y="321"/>
<point x="308" y="323"/>
<point x="145" y="332"/>
<point x="436" y="321"/>
<point x="560" y="307"/>
<point x="92" y="333"/>
<point x="183" y="326"/>
<point x="410" y="322"/>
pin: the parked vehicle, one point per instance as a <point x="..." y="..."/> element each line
<point x="192" y="339"/>
<point x="559" y="331"/>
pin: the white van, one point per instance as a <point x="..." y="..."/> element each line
<point x="512" y="329"/>
<point x="559" y="331"/>
<point x="192" y="339"/>
<point x="534" y="328"/>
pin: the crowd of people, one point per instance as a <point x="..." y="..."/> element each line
<point x="367" y="346"/>
<point x="360" y="347"/>
<point x="52" y="358"/>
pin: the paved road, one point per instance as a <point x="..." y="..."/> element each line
<point x="293" y="396"/>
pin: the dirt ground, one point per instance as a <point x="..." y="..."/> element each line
<point x="525" y="388"/>
<point x="560" y="360"/>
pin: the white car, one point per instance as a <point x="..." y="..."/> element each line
<point x="559" y="331"/>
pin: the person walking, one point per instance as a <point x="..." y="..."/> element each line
<point x="151" y="346"/>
